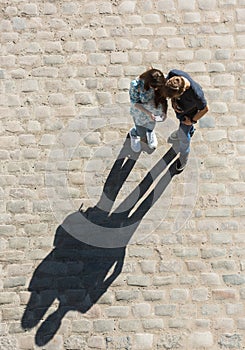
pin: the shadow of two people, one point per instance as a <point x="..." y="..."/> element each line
<point x="89" y="247"/>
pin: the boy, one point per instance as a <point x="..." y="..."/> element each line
<point x="190" y="106"/>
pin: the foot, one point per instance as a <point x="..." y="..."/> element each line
<point x="135" y="141"/>
<point x="151" y="139"/>
<point x="181" y="164"/>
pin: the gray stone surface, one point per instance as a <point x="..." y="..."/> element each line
<point x="65" y="70"/>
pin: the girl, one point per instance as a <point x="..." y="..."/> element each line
<point x="147" y="101"/>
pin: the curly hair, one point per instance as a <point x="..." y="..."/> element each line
<point x="175" y="86"/>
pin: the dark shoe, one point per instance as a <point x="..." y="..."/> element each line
<point x="181" y="164"/>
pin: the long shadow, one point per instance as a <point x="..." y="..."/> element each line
<point x="89" y="247"/>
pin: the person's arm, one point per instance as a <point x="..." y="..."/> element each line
<point x="201" y="103"/>
<point x="199" y="115"/>
<point x="150" y="115"/>
<point x="144" y="110"/>
<point x="135" y="90"/>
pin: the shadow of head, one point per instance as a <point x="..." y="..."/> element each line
<point x="72" y="277"/>
<point x="89" y="250"/>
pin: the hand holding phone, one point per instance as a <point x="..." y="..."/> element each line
<point x="160" y="118"/>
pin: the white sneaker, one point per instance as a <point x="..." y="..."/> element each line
<point x="151" y="139"/>
<point x="135" y="142"/>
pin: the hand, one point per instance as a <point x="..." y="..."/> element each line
<point x="187" y="121"/>
<point x="158" y="118"/>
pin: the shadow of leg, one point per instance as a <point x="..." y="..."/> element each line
<point x="117" y="176"/>
<point x="39" y="303"/>
<point x="145" y="184"/>
<point x="49" y="327"/>
<point x="154" y="195"/>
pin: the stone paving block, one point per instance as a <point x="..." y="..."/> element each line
<point x="164" y="5"/>
<point x="165" y="310"/>
<point x="186" y="6"/>
<point x="102" y="326"/>
<point x="230" y="340"/>
<point x="141" y="310"/>
<point x="192" y="17"/>
<point x="201" y="339"/>
<point x="126" y="7"/>
<point x="153" y="324"/>
<point x="143" y="341"/>
<point x="130" y="325"/>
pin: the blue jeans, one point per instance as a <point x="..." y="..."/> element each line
<point x="184" y="137"/>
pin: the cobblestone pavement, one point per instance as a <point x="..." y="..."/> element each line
<point x="169" y="275"/>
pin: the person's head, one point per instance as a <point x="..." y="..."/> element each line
<point x="153" y="78"/>
<point x="175" y="86"/>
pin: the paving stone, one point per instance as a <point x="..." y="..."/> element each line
<point x="165" y="310"/>
<point x="153" y="324"/>
<point x="141" y="310"/>
<point x="118" y="311"/>
<point x="8" y="343"/>
<point x="200" y="294"/>
<point x="102" y="326"/>
<point x="74" y="342"/>
<point x="230" y="340"/>
<point x="130" y="325"/>
<point x="201" y="339"/>
<point x="170" y="341"/>
<point x="143" y="341"/>
<point x="164" y="5"/>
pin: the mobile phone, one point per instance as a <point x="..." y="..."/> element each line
<point x="158" y="118"/>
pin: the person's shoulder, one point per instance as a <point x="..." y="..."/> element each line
<point x="177" y="72"/>
<point x="196" y="87"/>
<point x="174" y="72"/>
<point x="198" y="93"/>
<point x="135" y="90"/>
<point x="136" y="82"/>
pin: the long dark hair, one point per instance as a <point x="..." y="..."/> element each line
<point x="167" y="92"/>
<point x="154" y="78"/>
